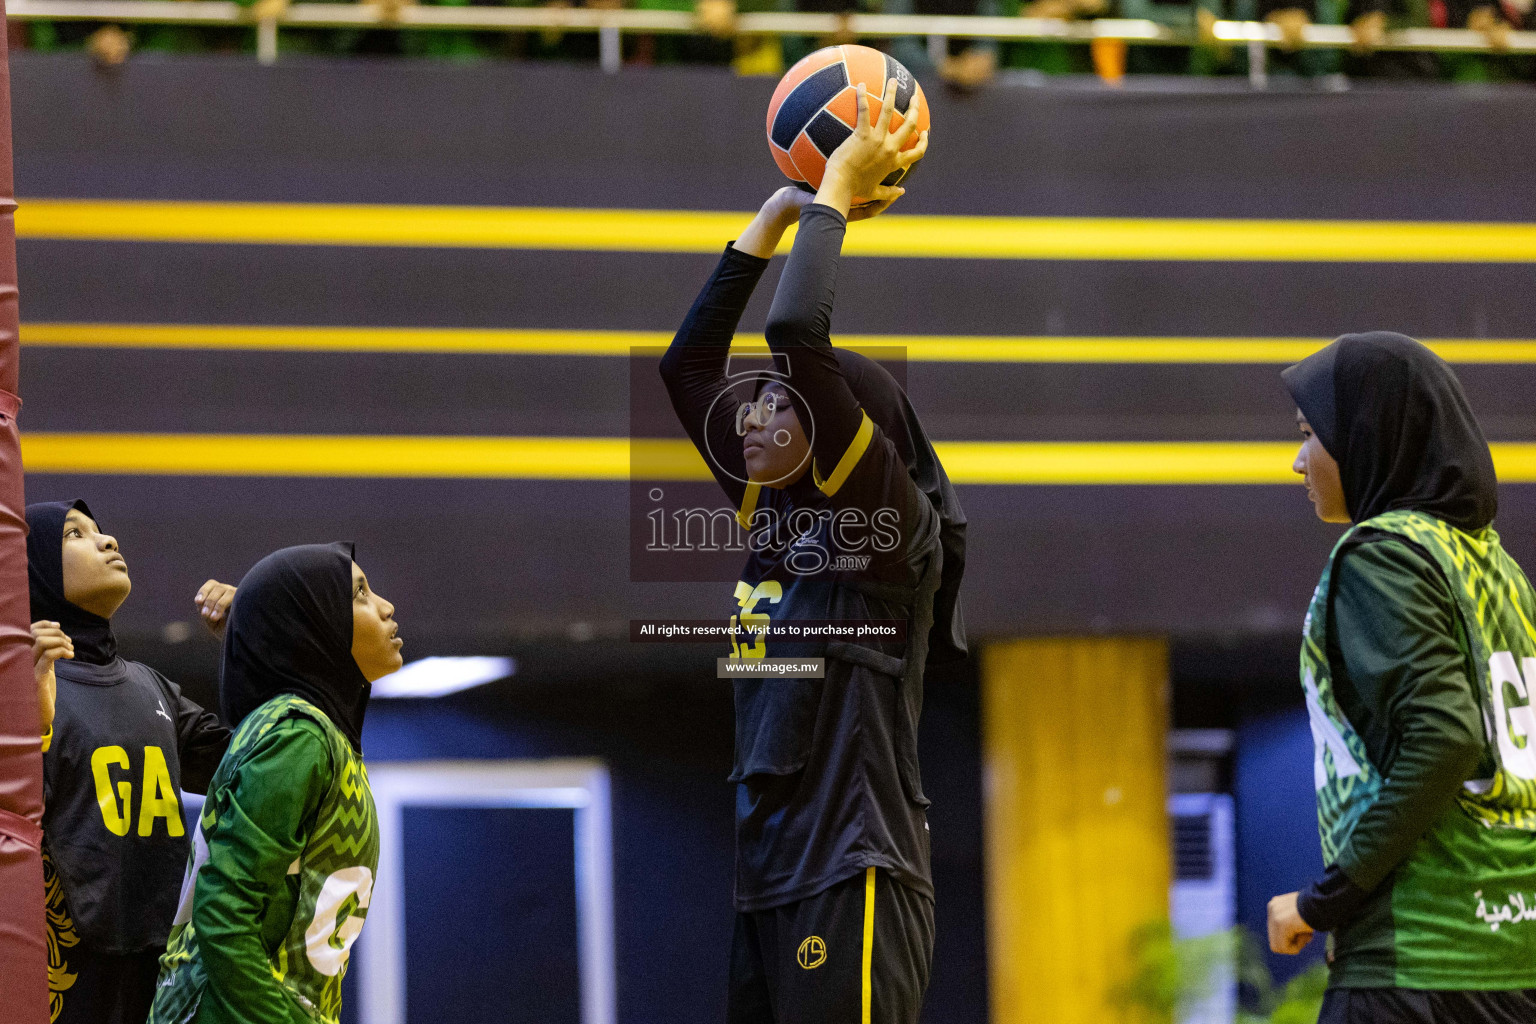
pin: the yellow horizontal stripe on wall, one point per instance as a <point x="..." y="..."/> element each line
<point x="917" y="347"/>
<point x="615" y="458"/>
<point x="1035" y="238"/>
<point x="513" y="458"/>
<point x="404" y="340"/>
<point x="1013" y="462"/>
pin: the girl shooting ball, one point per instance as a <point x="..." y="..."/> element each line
<point x="834" y="892"/>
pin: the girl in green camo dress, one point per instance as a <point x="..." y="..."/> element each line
<point x="284" y="858"/>
<point x="1417" y="664"/>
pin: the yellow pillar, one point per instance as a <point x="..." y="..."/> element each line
<point x="1074" y="733"/>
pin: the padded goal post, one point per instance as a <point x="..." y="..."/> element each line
<point x="23" y="939"/>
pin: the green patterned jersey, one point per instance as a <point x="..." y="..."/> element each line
<point x="1462" y="907"/>
<point x="280" y="877"/>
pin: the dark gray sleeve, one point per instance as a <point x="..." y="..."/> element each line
<point x="694" y="367"/>
<point x="201" y="740"/>
<point x="800" y="330"/>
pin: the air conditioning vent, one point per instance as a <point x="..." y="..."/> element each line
<point x="1193" y="857"/>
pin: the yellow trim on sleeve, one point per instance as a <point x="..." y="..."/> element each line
<point x="850" y="459"/>
<point x="748" y="506"/>
<point x="47" y="739"/>
<point x="869" y="941"/>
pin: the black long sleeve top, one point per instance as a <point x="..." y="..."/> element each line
<point x="826" y="768"/>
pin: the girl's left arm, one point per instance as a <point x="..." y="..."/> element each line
<point x="1397" y="623"/>
<point x="800" y="330"/>
<point x="800" y="322"/>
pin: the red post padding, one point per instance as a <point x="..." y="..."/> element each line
<point x="23" y="939"/>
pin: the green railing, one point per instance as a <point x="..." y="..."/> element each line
<point x="610" y="25"/>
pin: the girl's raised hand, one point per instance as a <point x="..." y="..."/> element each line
<point x="49" y="644"/>
<point x="212" y="602"/>
<point x="870" y="155"/>
<point x="788" y="201"/>
<point x="873" y="208"/>
<point x="782" y="209"/>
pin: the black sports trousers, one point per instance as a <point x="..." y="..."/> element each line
<point x="85" y="985"/>
<point x="856" y="953"/>
<point x="1414" y="1006"/>
<point x="102" y="988"/>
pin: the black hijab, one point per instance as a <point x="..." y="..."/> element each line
<point x="1394" y="417"/>
<point x="889" y="408"/>
<point x="92" y="634"/>
<point x="290" y="631"/>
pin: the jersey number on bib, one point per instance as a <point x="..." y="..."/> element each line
<point x="338" y="921"/>
<point x="754" y="622"/>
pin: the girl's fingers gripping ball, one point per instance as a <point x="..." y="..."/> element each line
<point x="818" y="104"/>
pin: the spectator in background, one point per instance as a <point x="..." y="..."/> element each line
<point x="1495" y="20"/>
<point x="752" y="55"/>
<point x="1051" y="57"/>
<point x="1368" y="21"/>
<point x="109" y="46"/>
<point x="962" y="63"/>
<point x="459" y="45"/>
<point x="384" y="38"/>
<point x="718" y="43"/>
<point x="796" y="47"/>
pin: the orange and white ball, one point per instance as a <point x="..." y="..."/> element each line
<point x="815" y="108"/>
